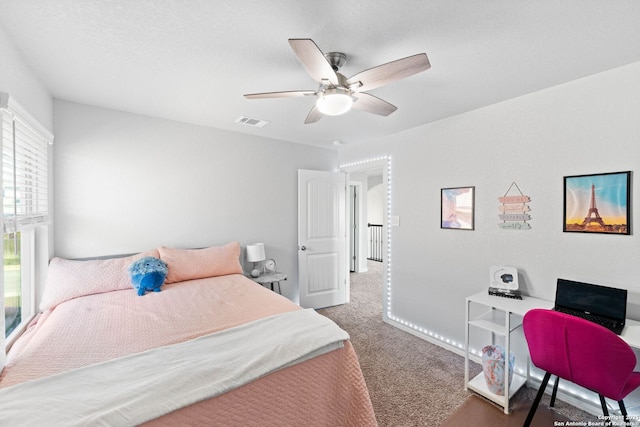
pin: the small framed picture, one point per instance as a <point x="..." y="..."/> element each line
<point x="598" y="203"/>
<point x="457" y="208"/>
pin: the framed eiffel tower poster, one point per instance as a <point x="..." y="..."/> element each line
<point x="598" y="203"/>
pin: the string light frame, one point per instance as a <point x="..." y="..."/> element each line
<point x="388" y="315"/>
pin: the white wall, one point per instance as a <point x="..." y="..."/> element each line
<point x="126" y="183"/>
<point x="17" y="79"/>
<point x="586" y="126"/>
<point x="375" y="199"/>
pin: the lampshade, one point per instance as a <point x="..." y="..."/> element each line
<point x="255" y="252"/>
<point x="334" y="101"/>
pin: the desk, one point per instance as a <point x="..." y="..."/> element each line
<point x="631" y="333"/>
<point x="497" y="319"/>
<point x="501" y="316"/>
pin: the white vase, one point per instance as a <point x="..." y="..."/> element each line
<point x="493" y="368"/>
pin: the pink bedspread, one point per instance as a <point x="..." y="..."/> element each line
<point x="328" y="390"/>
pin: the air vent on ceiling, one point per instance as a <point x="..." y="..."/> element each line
<point x="244" y="120"/>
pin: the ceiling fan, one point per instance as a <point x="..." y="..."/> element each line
<point x="337" y="94"/>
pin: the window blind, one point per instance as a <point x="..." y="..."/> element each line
<point x="24" y="168"/>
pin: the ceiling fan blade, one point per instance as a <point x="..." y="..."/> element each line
<point x="285" y="94"/>
<point x="313" y="116"/>
<point x="313" y="60"/>
<point x="389" y="72"/>
<point x="372" y="104"/>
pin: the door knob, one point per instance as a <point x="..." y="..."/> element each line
<point x="303" y="248"/>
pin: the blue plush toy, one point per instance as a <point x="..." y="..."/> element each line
<point x="148" y="274"/>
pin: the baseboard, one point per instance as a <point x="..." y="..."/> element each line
<point x="426" y="337"/>
<point x="590" y="406"/>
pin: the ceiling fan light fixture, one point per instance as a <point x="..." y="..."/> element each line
<point x="336" y="94"/>
<point x="334" y="101"/>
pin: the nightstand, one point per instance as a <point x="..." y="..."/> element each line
<point x="270" y="279"/>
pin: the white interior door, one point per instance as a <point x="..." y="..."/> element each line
<point x="354" y="212"/>
<point x="322" y="250"/>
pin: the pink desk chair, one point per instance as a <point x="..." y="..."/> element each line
<point x="582" y="352"/>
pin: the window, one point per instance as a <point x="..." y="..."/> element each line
<point x="12" y="282"/>
<point x="24" y="206"/>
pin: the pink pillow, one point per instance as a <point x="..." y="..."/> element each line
<point x="189" y="264"/>
<point x="68" y="279"/>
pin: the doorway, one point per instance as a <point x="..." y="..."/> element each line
<point x="368" y="223"/>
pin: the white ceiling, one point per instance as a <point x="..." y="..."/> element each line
<point x="192" y="60"/>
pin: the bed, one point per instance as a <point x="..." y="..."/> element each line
<point x="211" y="348"/>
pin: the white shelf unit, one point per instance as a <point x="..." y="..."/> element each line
<point x="500" y="316"/>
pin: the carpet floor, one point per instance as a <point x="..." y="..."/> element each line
<point x="411" y="381"/>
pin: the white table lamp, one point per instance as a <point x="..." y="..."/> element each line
<point x="255" y="254"/>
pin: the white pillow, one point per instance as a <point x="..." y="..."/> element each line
<point x="68" y="279"/>
<point x="190" y="264"/>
